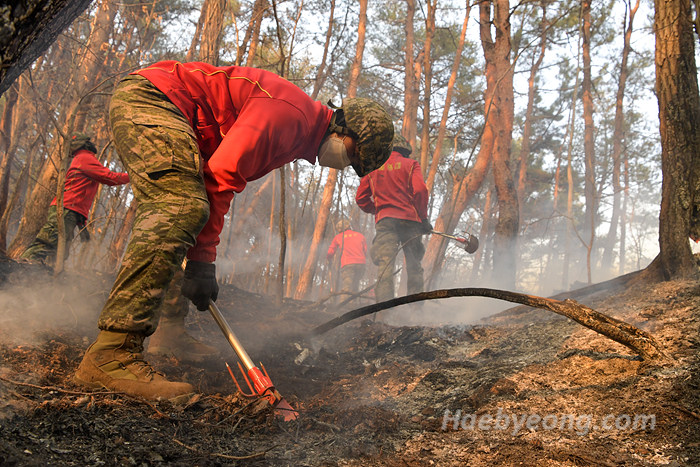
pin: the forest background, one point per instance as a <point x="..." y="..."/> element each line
<point x="535" y="123"/>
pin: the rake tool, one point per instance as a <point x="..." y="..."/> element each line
<point x="470" y="244"/>
<point x="261" y="383"/>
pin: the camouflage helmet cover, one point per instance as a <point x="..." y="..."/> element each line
<point x="401" y="145"/>
<point x="81" y="141"/>
<point x="342" y="225"/>
<point x="374" y="130"/>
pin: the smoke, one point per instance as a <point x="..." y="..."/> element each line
<point x="35" y="303"/>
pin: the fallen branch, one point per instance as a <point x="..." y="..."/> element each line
<point x="686" y="411"/>
<point x="225" y="456"/>
<point x="640" y="342"/>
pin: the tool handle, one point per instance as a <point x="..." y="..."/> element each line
<point x="231" y="337"/>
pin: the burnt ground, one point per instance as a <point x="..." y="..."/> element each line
<point x="367" y="393"/>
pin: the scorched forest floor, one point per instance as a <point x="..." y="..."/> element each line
<point x="367" y="393"/>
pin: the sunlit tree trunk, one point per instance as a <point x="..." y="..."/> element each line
<point x="623" y="220"/>
<point x="411" y="80"/>
<point x="437" y="153"/>
<point x="588" y="138"/>
<point x="427" y="86"/>
<point x="307" y="275"/>
<point x="499" y="94"/>
<point x="618" y="136"/>
<point x="258" y="14"/>
<point x="484" y="231"/>
<point x="321" y="71"/>
<point x="252" y="33"/>
<point x="524" y="156"/>
<point x="208" y="33"/>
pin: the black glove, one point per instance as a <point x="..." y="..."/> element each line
<point x="200" y="283"/>
<point x="427" y="226"/>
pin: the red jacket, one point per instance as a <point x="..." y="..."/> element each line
<point x="353" y="246"/>
<point x="248" y="122"/>
<point x="83" y="176"/>
<point x="396" y="189"/>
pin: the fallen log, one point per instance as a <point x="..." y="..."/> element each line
<point x="640" y="342"/>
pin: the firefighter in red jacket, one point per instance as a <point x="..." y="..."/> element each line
<point x="190" y="136"/>
<point x="398" y="197"/>
<point x="352" y="248"/>
<point x="82" y="179"/>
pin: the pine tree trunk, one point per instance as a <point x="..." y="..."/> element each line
<point x="321" y="72"/>
<point x="524" y="156"/>
<point x="437" y="153"/>
<point x="427" y="86"/>
<point x="679" y="124"/>
<point x="6" y="152"/>
<point x="411" y="80"/>
<point x="307" y="276"/>
<point x="618" y="136"/>
<point x="588" y="138"/>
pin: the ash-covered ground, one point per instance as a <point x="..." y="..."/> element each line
<point x="524" y="387"/>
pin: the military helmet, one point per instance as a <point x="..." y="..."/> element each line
<point x="342" y="225"/>
<point x="401" y="145"/>
<point x="81" y="141"/>
<point x="372" y="128"/>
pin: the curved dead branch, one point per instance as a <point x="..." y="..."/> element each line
<point x="640" y="342"/>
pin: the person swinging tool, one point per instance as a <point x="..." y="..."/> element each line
<point x="397" y="196"/>
<point x="190" y="136"/>
<point x="82" y="178"/>
<point x="352" y="248"/>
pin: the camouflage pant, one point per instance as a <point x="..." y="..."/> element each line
<point x="159" y="150"/>
<point x="392" y="233"/>
<point x="44" y="246"/>
<point x="350" y="276"/>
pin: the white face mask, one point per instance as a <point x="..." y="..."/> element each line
<point x="333" y="153"/>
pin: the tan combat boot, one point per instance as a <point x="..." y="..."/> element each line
<point x="114" y="361"/>
<point x="172" y="340"/>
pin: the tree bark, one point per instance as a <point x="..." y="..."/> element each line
<point x="505" y="238"/>
<point x="6" y="142"/>
<point x="212" y="31"/>
<point x="679" y="124"/>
